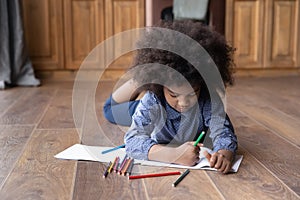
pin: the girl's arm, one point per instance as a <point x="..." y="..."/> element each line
<point x="224" y="140"/>
<point x="126" y="92"/>
<point x="225" y="146"/>
<point x="222" y="160"/>
<point x="185" y="154"/>
<point x="145" y="121"/>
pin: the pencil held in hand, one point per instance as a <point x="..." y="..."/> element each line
<point x="199" y="138"/>
<point x="207" y="155"/>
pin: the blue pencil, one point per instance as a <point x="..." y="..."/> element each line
<point x="113" y="149"/>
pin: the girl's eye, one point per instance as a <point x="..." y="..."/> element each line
<point x="192" y="94"/>
<point x="174" y="95"/>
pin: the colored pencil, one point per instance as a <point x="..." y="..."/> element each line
<point x="180" y="178"/>
<point x="153" y="175"/>
<point x="199" y="138"/>
<point x="207" y="155"/>
<point x="116" y="164"/>
<point x="112" y="165"/>
<point x="129" y="169"/>
<point x="123" y="172"/>
<point x="123" y="162"/>
<point x="113" y="149"/>
<point x="106" y="171"/>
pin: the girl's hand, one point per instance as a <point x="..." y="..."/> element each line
<point x="187" y="154"/>
<point x="222" y="160"/>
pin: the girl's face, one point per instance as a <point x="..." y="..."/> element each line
<point x="181" y="98"/>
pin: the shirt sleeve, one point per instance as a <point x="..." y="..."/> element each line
<point x="138" y="139"/>
<point x="221" y="129"/>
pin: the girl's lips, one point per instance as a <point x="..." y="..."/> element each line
<point x="182" y="109"/>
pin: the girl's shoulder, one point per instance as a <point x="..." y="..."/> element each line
<point x="150" y="99"/>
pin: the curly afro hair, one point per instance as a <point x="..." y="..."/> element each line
<point x="150" y="73"/>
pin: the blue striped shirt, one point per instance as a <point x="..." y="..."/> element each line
<point x="156" y="122"/>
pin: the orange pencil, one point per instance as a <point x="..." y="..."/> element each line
<point x="129" y="170"/>
<point x="126" y="166"/>
<point x="207" y="155"/>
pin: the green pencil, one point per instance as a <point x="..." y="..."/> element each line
<point x="199" y="138"/>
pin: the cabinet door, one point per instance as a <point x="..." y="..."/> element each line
<point x="43" y="32"/>
<point x="282" y="33"/>
<point x="122" y="15"/>
<point x="245" y="31"/>
<point x="84" y="30"/>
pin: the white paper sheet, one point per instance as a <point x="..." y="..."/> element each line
<point x="89" y="153"/>
<point x="94" y="153"/>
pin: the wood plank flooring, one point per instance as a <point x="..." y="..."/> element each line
<point x="37" y="123"/>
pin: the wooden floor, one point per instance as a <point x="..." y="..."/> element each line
<point x="37" y="123"/>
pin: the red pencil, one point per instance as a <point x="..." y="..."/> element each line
<point x="153" y="175"/>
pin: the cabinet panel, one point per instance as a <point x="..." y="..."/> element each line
<point x="122" y="15"/>
<point x="43" y="32"/>
<point x="282" y="32"/>
<point x="84" y="29"/>
<point x="265" y="33"/>
<point x="247" y="34"/>
<point x="61" y="33"/>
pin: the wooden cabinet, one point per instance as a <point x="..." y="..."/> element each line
<point x="123" y="15"/>
<point x="265" y="33"/>
<point x="282" y="34"/>
<point x="61" y="33"/>
<point x="44" y="33"/>
<point x="83" y="29"/>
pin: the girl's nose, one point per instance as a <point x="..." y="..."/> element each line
<point x="183" y="102"/>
